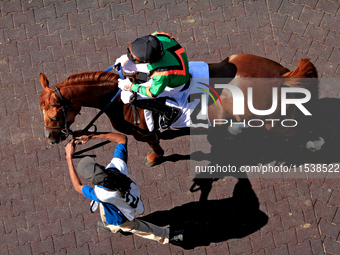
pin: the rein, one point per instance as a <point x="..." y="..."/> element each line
<point x="121" y="75"/>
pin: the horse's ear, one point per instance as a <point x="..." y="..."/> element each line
<point x="44" y="81"/>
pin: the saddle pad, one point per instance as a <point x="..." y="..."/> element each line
<point x="199" y="71"/>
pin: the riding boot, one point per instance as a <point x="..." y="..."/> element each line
<point x="167" y="114"/>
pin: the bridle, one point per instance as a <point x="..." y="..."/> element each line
<point x="64" y="105"/>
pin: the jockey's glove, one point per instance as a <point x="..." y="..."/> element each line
<point x="125" y="84"/>
<point x="123" y="60"/>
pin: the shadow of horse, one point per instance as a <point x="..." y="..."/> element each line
<point x="209" y="221"/>
<point x="255" y="146"/>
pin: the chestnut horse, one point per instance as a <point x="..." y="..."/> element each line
<point x="96" y="89"/>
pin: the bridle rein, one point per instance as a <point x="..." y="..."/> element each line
<point x="64" y="105"/>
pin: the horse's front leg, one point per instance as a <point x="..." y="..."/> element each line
<point x="157" y="154"/>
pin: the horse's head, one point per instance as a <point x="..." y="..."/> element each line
<point x="59" y="112"/>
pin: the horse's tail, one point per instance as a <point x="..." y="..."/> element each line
<point x="304" y="76"/>
<point x="305" y="69"/>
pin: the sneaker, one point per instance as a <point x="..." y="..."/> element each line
<point x="176" y="237"/>
<point x="101" y="226"/>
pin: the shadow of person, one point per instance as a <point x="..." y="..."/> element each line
<point x="209" y="221"/>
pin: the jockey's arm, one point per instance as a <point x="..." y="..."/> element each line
<point x="157" y="86"/>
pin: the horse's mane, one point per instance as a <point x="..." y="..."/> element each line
<point x="91" y="78"/>
<point x="85" y="78"/>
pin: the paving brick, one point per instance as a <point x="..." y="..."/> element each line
<point x="311" y="16"/>
<point x="331" y="183"/>
<point x="79" y="19"/>
<point x="292" y="219"/>
<point x="26" y="5"/>
<point x="23" y="18"/>
<point x="259" y="243"/>
<point x="264" y="19"/>
<point x="239" y="39"/>
<point x="296" y="42"/>
<point x="65" y="241"/>
<point x="122" y="9"/>
<point x="303" y="248"/>
<point x="20" y="250"/>
<point x="163" y="203"/>
<point x="139" y="7"/>
<point x="281" y="207"/>
<point x="79" y="250"/>
<point x="291" y="9"/>
<point x="87" y="236"/>
<point x="327" y="6"/>
<point x="221" y="42"/>
<point x="298" y="27"/>
<point x="126" y="37"/>
<point x="92" y="30"/>
<point x="10" y="240"/>
<point x="118" y="245"/>
<point x="30" y="234"/>
<point x="6" y="22"/>
<point x="156" y="15"/>
<point x="43" y="246"/>
<point x="285" y="237"/>
<point x="57" y="24"/>
<point x="322" y="51"/>
<point x="50" y="229"/>
<point x="329" y="229"/>
<point x="11" y="194"/>
<point x="101" y="248"/>
<point x="8" y="7"/>
<point x="327" y="69"/>
<point x="320" y="193"/>
<point x="44" y="13"/>
<point x="283" y="250"/>
<point x="101" y="14"/>
<point x="72" y="224"/>
<point x="158" y="249"/>
<point x="82" y="5"/>
<point x="307" y="232"/>
<point x="240" y="246"/>
<point x="324" y="211"/>
<point x="56" y="213"/>
<point x="255" y="6"/>
<point x="332" y="39"/>
<point x="65" y="8"/>
<point x="13" y="223"/>
<point x="234" y="11"/>
<point x="212" y="16"/>
<point x="331" y="247"/>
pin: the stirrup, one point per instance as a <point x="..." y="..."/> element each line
<point x="165" y="122"/>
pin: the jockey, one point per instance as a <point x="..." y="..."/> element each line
<point x="167" y="64"/>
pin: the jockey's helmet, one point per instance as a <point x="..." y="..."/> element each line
<point x="145" y="49"/>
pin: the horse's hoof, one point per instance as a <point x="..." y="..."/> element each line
<point x="148" y="163"/>
<point x="233" y="132"/>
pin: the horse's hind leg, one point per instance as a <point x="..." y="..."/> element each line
<point x="315" y="145"/>
<point x="153" y="141"/>
<point x="236" y="128"/>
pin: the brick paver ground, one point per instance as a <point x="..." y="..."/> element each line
<point x="40" y="213"/>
